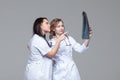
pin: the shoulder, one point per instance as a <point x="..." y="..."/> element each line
<point x="36" y="39"/>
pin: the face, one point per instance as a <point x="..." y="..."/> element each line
<point x="59" y="28"/>
<point x="45" y="26"/>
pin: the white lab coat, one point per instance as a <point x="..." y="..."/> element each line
<point x="39" y="67"/>
<point x="64" y="68"/>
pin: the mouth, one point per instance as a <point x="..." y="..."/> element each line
<point x="62" y="31"/>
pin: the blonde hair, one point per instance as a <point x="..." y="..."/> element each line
<point x="53" y="25"/>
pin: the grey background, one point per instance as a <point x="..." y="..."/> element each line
<point x="99" y="62"/>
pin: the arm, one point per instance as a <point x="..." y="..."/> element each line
<point x="80" y="48"/>
<point x="86" y="42"/>
<point x="55" y="48"/>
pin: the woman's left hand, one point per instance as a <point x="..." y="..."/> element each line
<point x="90" y="32"/>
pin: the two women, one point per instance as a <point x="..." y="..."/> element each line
<point x="58" y="50"/>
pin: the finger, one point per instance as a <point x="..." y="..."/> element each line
<point x="90" y="29"/>
<point x="65" y="33"/>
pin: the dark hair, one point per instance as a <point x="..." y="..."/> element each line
<point x="37" y="26"/>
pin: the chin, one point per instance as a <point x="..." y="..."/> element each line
<point x="47" y="31"/>
<point x="61" y="33"/>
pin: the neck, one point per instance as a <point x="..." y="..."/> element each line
<point x="44" y="33"/>
<point x="57" y="35"/>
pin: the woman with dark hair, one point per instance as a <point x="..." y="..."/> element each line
<point x="64" y="67"/>
<point x="39" y="66"/>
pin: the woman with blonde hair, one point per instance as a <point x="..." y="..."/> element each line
<point x="64" y="68"/>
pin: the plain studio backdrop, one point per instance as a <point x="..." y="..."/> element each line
<point x="99" y="62"/>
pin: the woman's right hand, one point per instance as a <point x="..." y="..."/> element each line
<point x="52" y="53"/>
<point x="62" y="37"/>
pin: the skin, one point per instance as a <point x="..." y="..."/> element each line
<point x="59" y="30"/>
<point x="45" y="27"/>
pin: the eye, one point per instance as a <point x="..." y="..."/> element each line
<point x="46" y="22"/>
<point x="58" y="26"/>
<point x="62" y="25"/>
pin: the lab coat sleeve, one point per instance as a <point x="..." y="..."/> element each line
<point x="42" y="46"/>
<point x="77" y="46"/>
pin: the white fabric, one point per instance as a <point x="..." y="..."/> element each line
<point x="39" y="66"/>
<point x="64" y="67"/>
